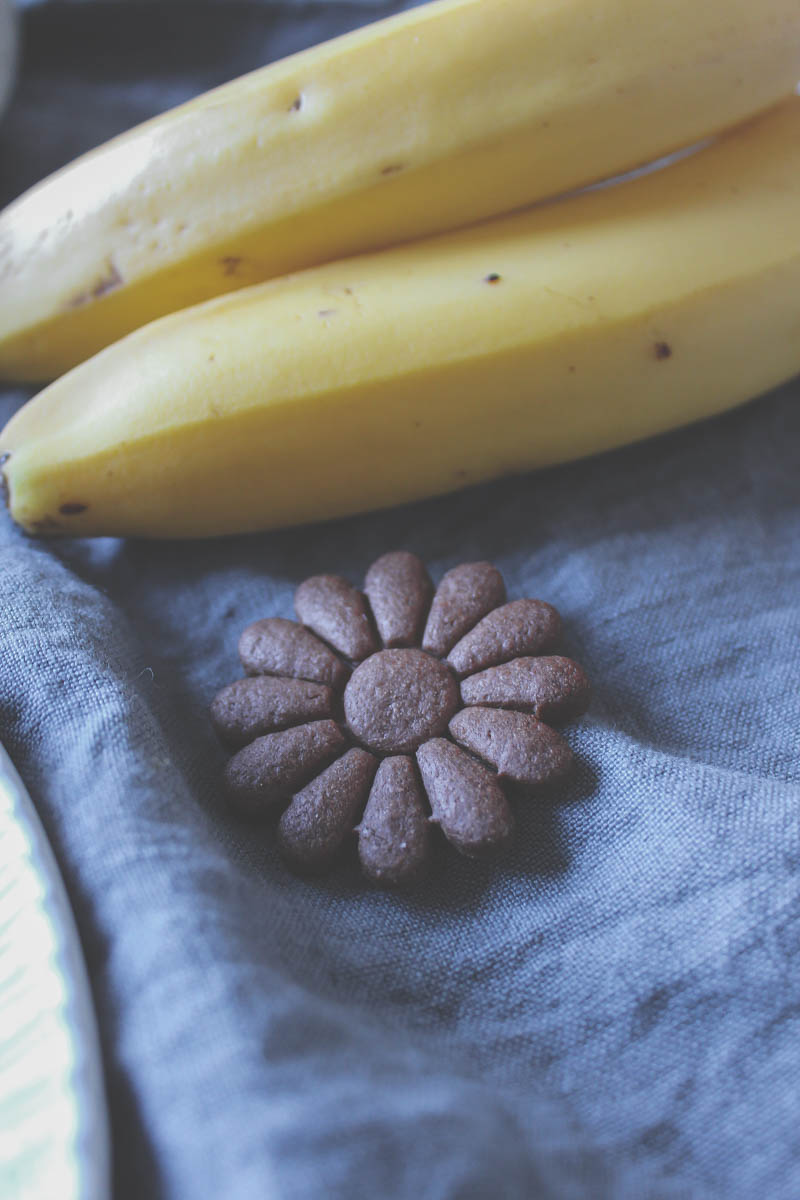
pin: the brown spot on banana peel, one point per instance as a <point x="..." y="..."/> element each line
<point x="230" y="264"/>
<point x="72" y="508"/>
<point x="107" y="283"/>
<point x="662" y="350"/>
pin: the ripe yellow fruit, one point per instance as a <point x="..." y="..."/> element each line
<point x="433" y="119"/>
<point x="520" y="342"/>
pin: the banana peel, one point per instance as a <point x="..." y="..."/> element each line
<point x="434" y="119"/>
<point x="516" y="343"/>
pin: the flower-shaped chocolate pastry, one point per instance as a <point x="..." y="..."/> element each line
<point x="395" y="709"/>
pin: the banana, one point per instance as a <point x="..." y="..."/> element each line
<point x="433" y="119"/>
<point x="523" y="341"/>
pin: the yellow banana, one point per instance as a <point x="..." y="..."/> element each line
<point x="432" y="119"/>
<point x="526" y="340"/>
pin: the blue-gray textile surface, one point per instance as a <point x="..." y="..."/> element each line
<point x="612" y="1012"/>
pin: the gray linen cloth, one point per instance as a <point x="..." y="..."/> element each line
<point x="612" y="1012"/>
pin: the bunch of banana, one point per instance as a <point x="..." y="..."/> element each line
<point x="416" y="347"/>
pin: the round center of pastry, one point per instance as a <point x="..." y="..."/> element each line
<point x="398" y="699"/>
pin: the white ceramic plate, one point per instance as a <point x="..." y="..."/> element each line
<point x="54" y="1141"/>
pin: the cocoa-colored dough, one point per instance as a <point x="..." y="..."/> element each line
<point x="551" y="688"/>
<point x="464" y="595"/>
<point x="330" y="607"/>
<point x="399" y="591"/>
<point x="466" y="800"/>
<point x="522" y="627"/>
<point x="518" y="746"/>
<point x="261" y="704"/>
<point x="275" y="646"/>
<point x="394" y="834"/>
<point x="398" y="698"/>
<point x="265" y="774"/>
<point x="320" y="817"/>
<point x="337" y="704"/>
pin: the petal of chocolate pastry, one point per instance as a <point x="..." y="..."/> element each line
<point x="336" y="611"/>
<point x="464" y="595"/>
<point x="520" y="627"/>
<point x="399" y="591"/>
<point x="466" y="800"/>
<point x="321" y="816"/>
<point x="261" y="704"/>
<point x="267" y="772"/>
<point x="516" y="744"/>
<point x="394" y="834"/>
<point x="275" y="646"/>
<point x="552" y="688"/>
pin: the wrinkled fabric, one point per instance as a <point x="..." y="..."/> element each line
<point x="612" y="1011"/>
